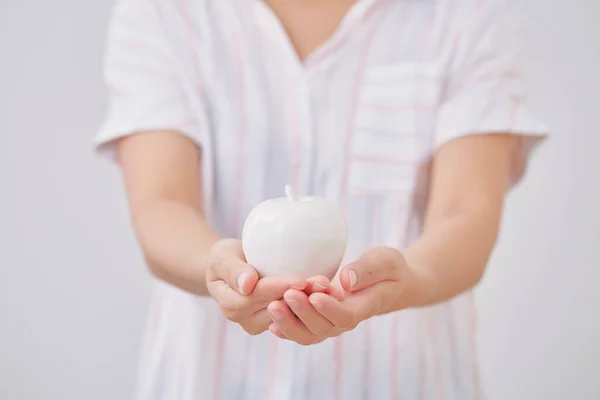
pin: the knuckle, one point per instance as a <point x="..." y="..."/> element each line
<point x="213" y="263"/>
<point x="387" y="258"/>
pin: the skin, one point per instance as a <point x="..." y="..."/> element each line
<point x="470" y="178"/>
<point x="162" y="175"/>
<point x="309" y="23"/>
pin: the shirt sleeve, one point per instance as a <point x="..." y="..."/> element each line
<point x="484" y="91"/>
<point x="145" y="91"/>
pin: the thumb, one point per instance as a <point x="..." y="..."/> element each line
<point x="377" y="265"/>
<point x="243" y="279"/>
<point x="229" y="265"/>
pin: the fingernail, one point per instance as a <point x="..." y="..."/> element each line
<point x="276" y="315"/>
<point x="241" y="281"/>
<point x="292" y="301"/>
<point x="299" y="286"/>
<point x="353" y="278"/>
<point x="319" y="286"/>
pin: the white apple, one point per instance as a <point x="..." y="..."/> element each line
<point x="304" y="236"/>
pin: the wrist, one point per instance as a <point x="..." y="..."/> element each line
<point x="408" y="285"/>
<point x="419" y="283"/>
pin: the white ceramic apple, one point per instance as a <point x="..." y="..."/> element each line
<point x="304" y="236"/>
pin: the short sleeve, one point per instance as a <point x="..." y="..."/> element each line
<point x="145" y="92"/>
<point x="485" y="89"/>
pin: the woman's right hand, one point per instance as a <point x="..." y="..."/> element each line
<point x="236" y="286"/>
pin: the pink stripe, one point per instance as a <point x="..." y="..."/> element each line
<point x="238" y="184"/>
<point x="349" y="158"/>
<point x="311" y="371"/>
<point x="238" y="190"/>
<point x="395" y="359"/>
<point x="332" y="49"/>
<point x="184" y="361"/>
<point x="194" y="49"/>
<point x="368" y="359"/>
<point x="207" y="343"/>
<point x="477" y="392"/>
<point x="296" y="163"/>
<point x="296" y="144"/>
<point x="217" y="377"/>
<point x="423" y="359"/>
<point x="192" y="45"/>
<point x="337" y="367"/>
<point x="404" y="107"/>
<point x="452" y="339"/>
<point x="338" y="362"/>
<point x="351" y="114"/>
<point x="425" y="46"/>
<point x="384" y="161"/>
<point x="273" y="349"/>
<point x="435" y="348"/>
<point x="375" y="238"/>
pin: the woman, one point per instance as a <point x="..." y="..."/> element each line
<point x="409" y="114"/>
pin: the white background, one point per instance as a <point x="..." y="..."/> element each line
<point x="73" y="289"/>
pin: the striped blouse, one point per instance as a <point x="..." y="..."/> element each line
<point x="356" y="122"/>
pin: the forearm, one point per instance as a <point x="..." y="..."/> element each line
<point x="452" y="254"/>
<point x="176" y="239"/>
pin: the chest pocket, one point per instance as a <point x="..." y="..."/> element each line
<point x="395" y="126"/>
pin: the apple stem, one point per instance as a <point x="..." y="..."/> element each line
<point x="290" y="193"/>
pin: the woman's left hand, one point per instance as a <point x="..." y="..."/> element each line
<point x="377" y="283"/>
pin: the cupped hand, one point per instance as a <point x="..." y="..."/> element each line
<point x="374" y="284"/>
<point x="238" y="289"/>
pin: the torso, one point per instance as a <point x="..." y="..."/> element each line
<point x="341" y="102"/>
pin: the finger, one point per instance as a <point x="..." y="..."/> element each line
<point x="236" y="307"/>
<point x="337" y="312"/>
<point x="228" y="264"/>
<point x="377" y="265"/>
<point x="258" y="323"/>
<point x="320" y="284"/>
<point x="317" y="284"/>
<point x="232" y="303"/>
<point x="337" y="292"/>
<point x="276" y="331"/>
<point x="289" y="325"/>
<point x="306" y="313"/>
<point x="240" y="276"/>
<point x="272" y="288"/>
